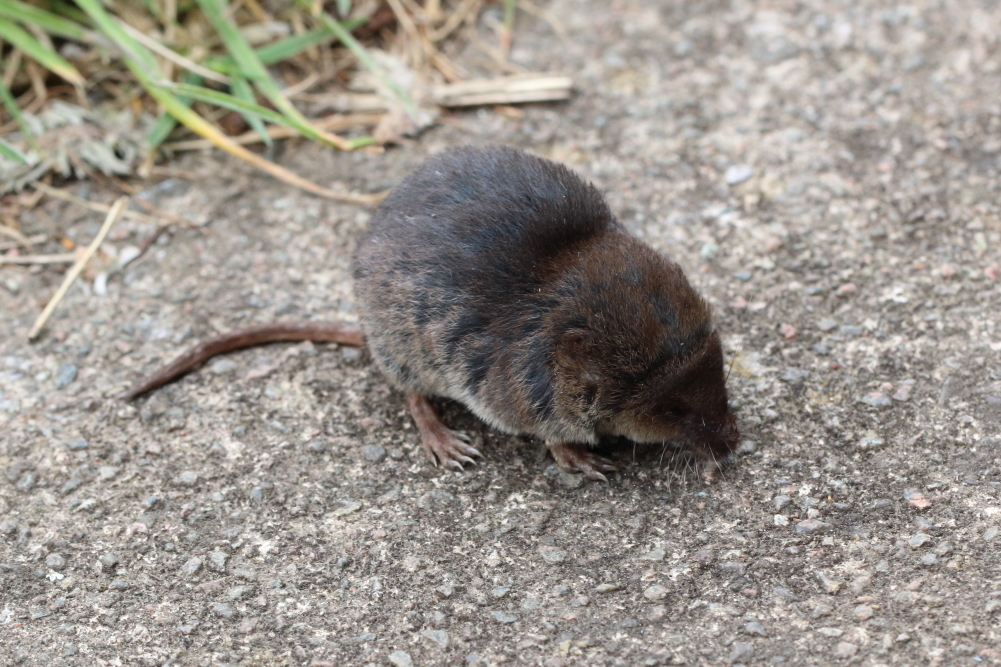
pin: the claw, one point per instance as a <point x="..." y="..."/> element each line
<point x="444" y="447"/>
<point x="461" y="436"/>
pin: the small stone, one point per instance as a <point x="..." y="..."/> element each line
<point x="903" y="638"/>
<point x="780" y="520"/>
<point x="222" y="366"/>
<point x="845" y="650"/>
<point x="846" y="289"/>
<point x="107" y="473"/>
<point x="316" y="446"/>
<point x="552" y="554"/>
<point x="916" y="499"/>
<point x="831" y="632"/>
<point x="733" y="568"/>
<point x="248" y="625"/>
<point x="929" y="559"/>
<point x="919" y="540"/>
<point x="826" y="324"/>
<point x="877" y="399"/>
<point x="821" y="610"/>
<point x="656" y="612"/>
<point x="191" y="566"/>
<point x="224" y="610"/>
<point x="55" y="561"/>
<point x="8" y="527"/>
<point x="823" y="349"/>
<point x="400" y="659"/>
<point x="990" y="533"/>
<point x="119" y="585"/>
<point x="217" y="560"/>
<point x="493" y="559"/>
<point x="76" y="445"/>
<point x="446" y="590"/>
<point x="607" y="588"/>
<point x="149" y="502"/>
<point x="708" y="251"/>
<point x="780" y="501"/>
<point x="439" y="637"/>
<point x="755" y="628"/>
<point x="26" y="482"/>
<point x="811" y="526"/>
<point x="993" y="606"/>
<point x="500" y="591"/>
<point x="740" y="652"/>
<point x="831" y="586"/>
<point x="787" y="331"/>
<point x="737" y="174"/>
<point x="502" y="617"/>
<point x="655" y="593"/>
<point x="742" y="276"/>
<point x="373" y="453"/>
<point x="71" y="485"/>
<point x="351" y="354"/>
<point x="863" y="612"/>
<point x="656" y="555"/>
<point x="794" y="375"/>
<point x="108" y="560"/>
<point x="186" y="478"/>
<point x="65" y="374"/>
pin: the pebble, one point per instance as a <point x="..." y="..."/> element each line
<point x="755" y="628"/>
<point x="107" y="473"/>
<point x="655" y="593"/>
<point x="737" y="174"/>
<point x="316" y="446"/>
<point x="502" y="617"/>
<point x="65" y="374"/>
<point x="439" y="637"/>
<point x="373" y="453"/>
<point x="500" y="591"/>
<point x="740" y="652"/>
<point x="191" y="566"/>
<point x="821" y="610"/>
<point x="845" y="650"/>
<point x="108" y="560"/>
<point x="919" y="540"/>
<point x="8" y="527"/>
<point x="222" y="366"/>
<point x="929" y="559"/>
<point x="26" y="482"/>
<point x="149" y="502"/>
<point x="747" y="447"/>
<point x="224" y="610"/>
<point x="742" y="276"/>
<point x="787" y="331"/>
<point x="552" y="554"/>
<point x="607" y="588"/>
<point x="656" y="554"/>
<point x="76" y="445"/>
<point x="916" y="499"/>
<point x="831" y="632"/>
<point x="351" y="354"/>
<point x="71" y="485"/>
<point x="876" y="399"/>
<point x="811" y="526"/>
<point x="823" y="349"/>
<point x="990" y="533"/>
<point x="217" y="560"/>
<point x="55" y="561"/>
<point x="863" y="612"/>
<point x="780" y="520"/>
<point x="780" y="501"/>
<point x="826" y="324"/>
<point x="118" y="585"/>
<point x="186" y="478"/>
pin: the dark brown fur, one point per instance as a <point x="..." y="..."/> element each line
<point x="501" y="280"/>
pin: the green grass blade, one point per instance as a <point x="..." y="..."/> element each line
<point x="65" y="9"/>
<point x="282" y="50"/>
<point x="12" y="153"/>
<point x="166" y="123"/>
<point x="253" y="69"/>
<point x="15" y="10"/>
<point x="135" y="55"/>
<point x="343" y="7"/>
<point x="241" y="90"/>
<point x="31" y="47"/>
<point x="11" y="105"/>
<point x="233" y="103"/>
<point x="359" y="52"/>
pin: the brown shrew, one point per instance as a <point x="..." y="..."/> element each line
<point x="502" y="280"/>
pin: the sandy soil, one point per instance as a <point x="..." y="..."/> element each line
<point x="827" y="173"/>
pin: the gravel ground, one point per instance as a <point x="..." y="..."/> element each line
<point x="827" y="174"/>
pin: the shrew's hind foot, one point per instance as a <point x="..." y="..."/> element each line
<point x="578" y="458"/>
<point x="443" y="446"/>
